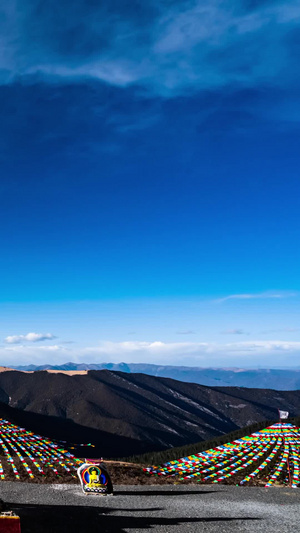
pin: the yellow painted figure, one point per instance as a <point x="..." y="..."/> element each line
<point x="94" y="477"/>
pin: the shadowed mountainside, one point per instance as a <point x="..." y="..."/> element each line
<point x="137" y="411"/>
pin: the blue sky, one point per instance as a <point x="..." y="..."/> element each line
<point x="150" y="182"/>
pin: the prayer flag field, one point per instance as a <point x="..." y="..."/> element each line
<point x="269" y="456"/>
<point x="26" y="456"/>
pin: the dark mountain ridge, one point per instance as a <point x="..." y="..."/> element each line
<point x="144" y="412"/>
<point x="280" y="379"/>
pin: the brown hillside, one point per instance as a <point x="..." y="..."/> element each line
<point x="148" y="412"/>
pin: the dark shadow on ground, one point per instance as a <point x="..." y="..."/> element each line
<point x="158" y="492"/>
<point x="72" y="519"/>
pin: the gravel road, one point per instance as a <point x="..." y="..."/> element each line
<point x="167" y="509"/>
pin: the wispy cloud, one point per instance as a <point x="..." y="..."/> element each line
<point x="259" y="295"/>
<point x="234" y="332"/>
<point x="168" y="47"/>
<point x="185" y="332"/>
<point x="280" y="330"/>
<point x="29" y="337"/>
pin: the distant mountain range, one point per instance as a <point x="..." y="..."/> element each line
<point x="277" y="379"/>
<point x="125" y="414"/>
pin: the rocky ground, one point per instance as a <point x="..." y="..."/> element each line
<point x="166" y="509"/>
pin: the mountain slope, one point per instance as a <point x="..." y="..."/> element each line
<point x="158" y="413"/>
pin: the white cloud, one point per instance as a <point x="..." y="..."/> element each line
<point x="109" y="347"/>
<point x="30" y="337"/>
<point x="246" y="354"/>
<point x="197" y="353"/>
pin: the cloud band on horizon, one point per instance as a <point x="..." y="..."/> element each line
<point x="206" y="354"/>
